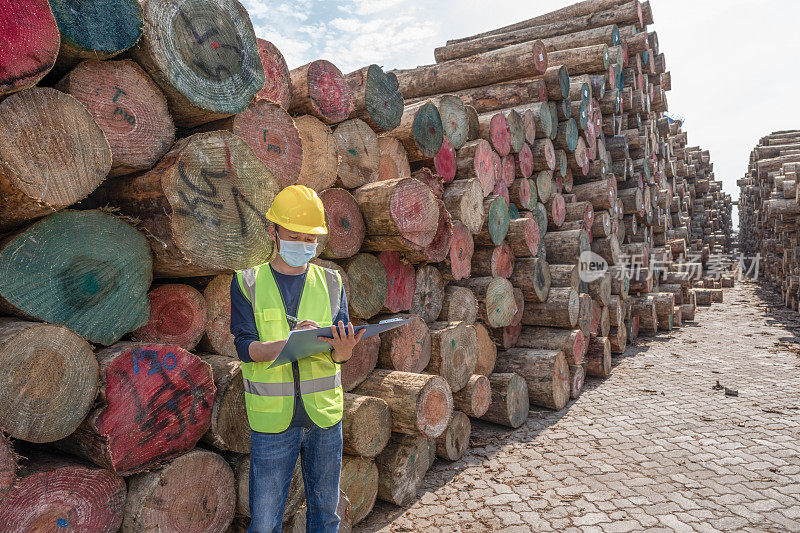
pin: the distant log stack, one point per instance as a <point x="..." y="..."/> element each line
<point x="768" y="210"/>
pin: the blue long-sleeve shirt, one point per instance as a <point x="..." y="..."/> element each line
<point x="243" y="325"/>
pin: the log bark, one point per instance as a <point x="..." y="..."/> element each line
<point x="32" y="32"/>
<point x="421" y="404"/>
<point x="561" y="310"/>
<point x="42" y="131"/>
<point x="532" y="276"/>
<point x="402" y="467"/>
<point x="463" y="199"/>
<point x="178" y="315"/>
<point x="366" y="425"/>
<point x="157" y="401"/>
<point x="454" y="442"/>
<point x="572" y="342"/>
<point x="598" y="358"/>
<point x="581" y="14"/>
<point x="177" y="495"/>
<point x="565" y="276"/>
<point x="454" y="348"/>
<point x="359" y="481"/>
<point x="510" y="404"/>
<point x="403" y="207"/>
<point x="52" y="485"/>
<point x="230" y="429"/>
<point x="129" y="108"/>
<point x="439" y="248"/>
<point x="487" y="351"/>
<point x="407" y="348"/>
<point x="320" y="158"/>
<point x="375" y="98"/>
<point x="546" y="374"/>
<point x="523" y="237"/>
<point x="473" y="400"/>
<point x="514" y="62"/>
<point x="277" y="84"/>
<point x="208" y="187"/>
<point x="319" y="89"/>
<point x="502" y="95"/>
<point x="51" y="381"/>
<point x="8" y="466"/>
<point x="577" y="378"/>
<point x="566" y="247"/>
<point x="201" y="82"/>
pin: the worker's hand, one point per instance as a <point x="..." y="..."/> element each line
<point x="343" y="341"/>
<point x="307" y="324"/>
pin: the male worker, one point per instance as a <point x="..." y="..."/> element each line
<point x="294" y="408"/>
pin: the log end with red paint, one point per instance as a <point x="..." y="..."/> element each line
<point x="277" y="87"/>
<point x="178" y="315"/>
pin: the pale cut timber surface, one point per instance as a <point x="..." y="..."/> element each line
<point x="540" y="477"/>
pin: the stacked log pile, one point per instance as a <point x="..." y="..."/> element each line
<point x="768" y="214"/>
<point x="465" y="194"/>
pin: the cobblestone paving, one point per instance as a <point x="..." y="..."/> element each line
<point x="651" y="447"/>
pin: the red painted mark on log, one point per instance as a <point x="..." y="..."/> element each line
<point x="500" y="134"/>
<point x="461" y="250"/>
<point x="159" y="400"/>
<point x="445" y="161"/>
<point x="30" y="41"/>
<point x="328" y="90"/>
<point x="402" y="282"/>
<point x="525" y="161"/>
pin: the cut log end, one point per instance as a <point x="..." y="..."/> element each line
<point x="277" y="86"/>
<point x="178" y="315"/>
<point x="435" y="407"/>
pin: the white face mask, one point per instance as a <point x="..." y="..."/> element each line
<point x="297" y="253"/>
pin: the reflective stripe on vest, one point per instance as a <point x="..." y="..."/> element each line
<point x="269" y="392"/>
<point x="308" y="386"/>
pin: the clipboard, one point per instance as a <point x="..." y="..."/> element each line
<point x="302" y="343"/>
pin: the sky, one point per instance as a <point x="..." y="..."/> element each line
<point x="734" y="63"/>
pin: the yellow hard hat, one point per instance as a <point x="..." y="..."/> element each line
<point x="298" y="208"/>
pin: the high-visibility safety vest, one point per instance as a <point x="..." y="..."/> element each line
<point x="269" y="392"/>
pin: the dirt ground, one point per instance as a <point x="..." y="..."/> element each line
<point x="654" y="446"/>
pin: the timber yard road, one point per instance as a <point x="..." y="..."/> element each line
<point x="652" y="447"/>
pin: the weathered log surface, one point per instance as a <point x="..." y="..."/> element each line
<point x="546" y="374"/>
<point x="366" y="425"/>
<point x="53" y="153"/>
<point x="207" y="188"/>
<point x="510" y="404"/>
<point x="194" y="493"/>
<point x="51" y="487"/>
<point x="421" y="404"/>
<point x="203" y="78"/>
<point x="51" y="380"/>
<point x="454" y="442"/>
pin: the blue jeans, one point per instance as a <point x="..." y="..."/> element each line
<point x="272" y="461"/>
